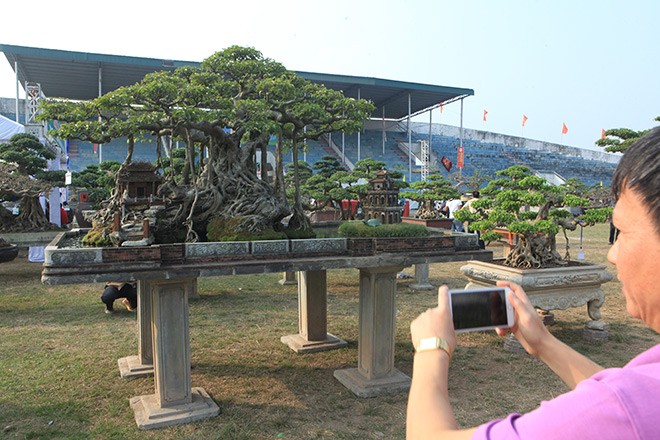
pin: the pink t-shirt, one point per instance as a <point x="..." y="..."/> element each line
<point x="617" y="403"/>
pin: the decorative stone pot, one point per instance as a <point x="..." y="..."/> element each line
<point x="8" y="253"/>
<point x="556" y="288"/>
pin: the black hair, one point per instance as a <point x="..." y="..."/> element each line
<point x="639" y="171"/>
<point x="475" y="194"/>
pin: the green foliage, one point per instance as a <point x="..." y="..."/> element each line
<point x="327" y="166"/>
<point x="575" y="201"/>
<point x="27" y="152"/>
<point x="598" y="215"/>
<point x="360" y="229"/>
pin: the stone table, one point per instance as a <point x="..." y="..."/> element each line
<point x="166" y="275"/>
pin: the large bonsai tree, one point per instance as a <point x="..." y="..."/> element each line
<point x="426" y="192"/>
<point x="533" y="209"/>
<point x="224" y="112"/>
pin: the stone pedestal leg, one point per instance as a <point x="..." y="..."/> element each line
<point x="288" y="278"/>
<point x="193" y="293"/>
<point x="422" y="278"/>
<point x="142" y="364"/>
<point x="312" y="315"/>
<point x="175" y="401"/>
<point x="375" y="374"/>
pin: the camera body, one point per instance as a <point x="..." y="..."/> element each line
<point x="481" y="309"/>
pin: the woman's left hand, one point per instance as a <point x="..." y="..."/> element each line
<point x="435" y="322"/>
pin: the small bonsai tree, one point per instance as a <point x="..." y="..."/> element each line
<point x="536" y="211"/>
<point x="425" y="192"/>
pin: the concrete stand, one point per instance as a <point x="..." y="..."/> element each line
<point x="422" y="278"/>
<point x="175" y="401"/>
<point x="142" y="364"/>
<point x="313" y="333"/>
<point x="375" y="374"/>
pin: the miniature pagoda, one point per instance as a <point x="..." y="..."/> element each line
<point x="382" y="199"/>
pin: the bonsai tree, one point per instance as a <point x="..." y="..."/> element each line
<point x="425" y="192"/>
<point x="536" y="211"/>
<point x="23" y="177"/>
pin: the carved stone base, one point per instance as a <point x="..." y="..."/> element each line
<point x="301" y="345"/>
<point x="150" y="415"/>
<point x="394" y="383"/>
<point x="130" y="367"/>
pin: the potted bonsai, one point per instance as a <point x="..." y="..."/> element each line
<point x="536" y="212"/>
<point x="426" y="192"/>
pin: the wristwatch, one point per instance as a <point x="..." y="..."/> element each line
<point x="434" y="343"/>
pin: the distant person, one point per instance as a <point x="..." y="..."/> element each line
<point x="604" y="403"/>
<point x="470" y="208"/>
<point x="115" y="290"/>
<point x="453" y="206"/>
<point x="64" y="215"/>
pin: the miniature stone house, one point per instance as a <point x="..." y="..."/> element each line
<point x="382" y="200"/>
<point x="139" y="181"/>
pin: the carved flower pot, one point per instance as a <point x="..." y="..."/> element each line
<point x="556" y="288"/>
<point x="443" y="223"/>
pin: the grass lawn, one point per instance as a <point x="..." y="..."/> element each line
<point x="59" y="376"/>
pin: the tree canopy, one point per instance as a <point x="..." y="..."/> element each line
<point x="617" y="140"/>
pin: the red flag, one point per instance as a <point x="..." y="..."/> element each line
<point x="96" y="148"/>
<point x="485" y="113"/>
<point x="602" y="133"/>
<point x="564" y="128"/>
<point x="461" y="156"/>
<point x="524" y="120"/>
<point x="446" y="163"/>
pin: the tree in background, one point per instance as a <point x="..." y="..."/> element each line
<point x="471" y="183"/>
<point x="24" y="177"/>
<point x="98" y="180"/>
<point x="617" y="140"/>
<point x="426" y="192"/>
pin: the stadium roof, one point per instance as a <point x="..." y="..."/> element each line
<point x="75" y="75"/>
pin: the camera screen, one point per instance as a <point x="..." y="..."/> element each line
<point x="478" y="309"/>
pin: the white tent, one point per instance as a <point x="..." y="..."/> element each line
<point x="8" y="128"/>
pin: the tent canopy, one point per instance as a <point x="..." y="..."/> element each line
<point x="8" y="128"/>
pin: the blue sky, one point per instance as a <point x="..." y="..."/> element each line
<point x="588" y="64"/>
